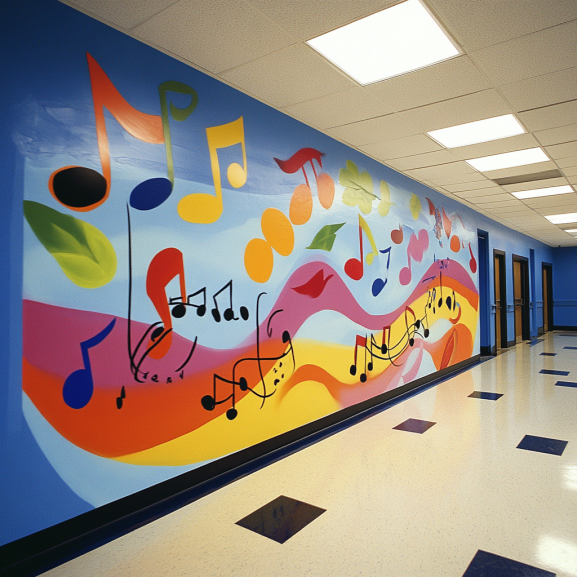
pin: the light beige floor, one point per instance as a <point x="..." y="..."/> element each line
<point x="397" y="503"/>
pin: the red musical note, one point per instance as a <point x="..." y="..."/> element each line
<point x="397" y="235"/>
<point x="354" y="266"/>
<point x="165" y="266"/>
<point x="360" y="342"/>
<point x="472" y="262"/>
<point x="415" y="325"/>
<point x="387" y="337"/>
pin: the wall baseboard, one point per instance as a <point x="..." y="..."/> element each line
<point x="50" y="547"/>
<point x="511" y="343"/>
<point x="564" y="328"/>
<point x="487" y="351"/>
<point x="540" y="331"/>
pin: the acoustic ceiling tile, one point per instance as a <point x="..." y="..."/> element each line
<point x="488" y="22"/>
<point x="566" y="163"/>
<point x="422" y="160"/>
<point x="464" y="186"/>
<point x="289" y="76"/>
<point x="520" y="170"/>
<point x="459" y="179"/>
<point x="557" y="135"/>
<point x="532" y="55"/>
<point x="564" y="201"/>
<point x="549" y="116"/>
<point x="572" y="181"/>
<point x="446" y="80"/>
<point x="534" y="184"/>
<point x="339" y="108"/>
<point x="441" y="170"/>
<point x="494" y="198"/>
<point x="570" y="172"/>
<point x="539" y="91"/>
<point x="559" y="151"/>
<point x="399" y="147"/>
<point x="478" y="193"/>
<point x="470" y="108"/>
<point x="126" y="14"/>
<point x="519" y="142"/>
<point x="373" y="130"/>
<point x="204" y="32"/>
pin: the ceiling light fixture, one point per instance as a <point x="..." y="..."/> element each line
<point x="524" y="194"/>
<point x="399" y="39"/>
<point x="562" y="218"/>
<point x="508" y="159"/>
<point x="479" y="131"/>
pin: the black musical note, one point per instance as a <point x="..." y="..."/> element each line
<point x="229" y="312"/>
<point x="120" y="399"/>
<point x="179" y="308"/>
<point x="360" y="342"/>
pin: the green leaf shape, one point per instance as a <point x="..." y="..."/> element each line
<point x="325" y="238"/>
<point x="358" y="187"/>
<point x="83" y="252"/>
<point x="385" y="204"/>
<point x="415" y="206"/>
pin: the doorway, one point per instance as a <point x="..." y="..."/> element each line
<point x="500" y="299"/>
<point x="521" y="297"/>
<point x="547" y="297"/>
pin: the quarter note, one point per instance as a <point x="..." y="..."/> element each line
<point x="440" y="303"/>
<point x="179" y="308"/>
<point x="200" y="207"/>
<point x="229" y="312"/>
<point x="415" y="325"/>
<point x="360" y="342"/>
<point x="79" y="385"/>
<point x="120" y="399"/>
<point x="386" y="336"/>
<point x="354" y="266"/>
<point x="379" y="284"/>
<point x="166" y="265"/>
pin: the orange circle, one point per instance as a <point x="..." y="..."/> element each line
<point x="278" y="231"/>
<point x="258" y="260"/>
<point x="455" y="244"/>
<point x="301" y="206"/>
<point x="326" y="190"/>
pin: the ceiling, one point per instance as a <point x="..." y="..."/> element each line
<point x="518" y="56"/>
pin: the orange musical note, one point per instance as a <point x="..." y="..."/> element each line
<point x="205" y="208"/>
<point x="165" y="266"/>
<point x="354" y="266"/>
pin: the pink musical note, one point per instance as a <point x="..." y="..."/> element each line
<point x="416" y="250"/>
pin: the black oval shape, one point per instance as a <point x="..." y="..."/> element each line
<point x="78" y="187"/>
<point x="207" y="402"/>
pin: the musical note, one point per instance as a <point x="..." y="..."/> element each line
<point x="379" y="284"/>
<point x="360" y="342"/>
<point x="83" y="189"/>
<point x="229" y="312"/>
<point x="165" y="265"/>
<point x="440" y="302"/>
<point x="205" y="208"/>
<point x="415" y="325"/>
<point x="354" y="266"/>
<point x="387" y="337"/>
<point x="472" y="261"/>
<point x="179" y="310"/>
<point x="397" y="235"/>
<point x="79" y="385"/>
<point x="418" y="244"/>
<point x="120" y="399"/>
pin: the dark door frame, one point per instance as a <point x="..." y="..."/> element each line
<point x="525" y="315"/>
<point x="503" y="290"/>
<point x="549" y="312"/>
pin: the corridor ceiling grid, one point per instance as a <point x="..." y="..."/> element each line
<point x="517" y="57"/>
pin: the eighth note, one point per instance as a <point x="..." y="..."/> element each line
<point x="229" y="312"/>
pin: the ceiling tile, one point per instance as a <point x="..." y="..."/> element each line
<point x="422" y="160"/>
<point x="126" y="14"/>
<point x="566" y="163"/>
<point x="459" y="179"/>
<point x="549" y="116"/>
<point x="373" y="130"/>
<point x="483" y="23"/>
<point x="559" y="151"/>
<point x="494" y="198"/>
<point x="478" y="106"/>
<point x="339" y="108"/>
<point x="399" y="147"/>
<point x="532" y="55"/>
<point x="520" y="170"/>
<point x="465" y="186"/>
<point x="478" y="193"/>
<point x="557" y="135"/>
<point x="204" y="32"/>
<point x="443" y="81"/>
<point x="571" y="171"/>
<point x="572" y="181"/>
<point x="543" y="90"/>
<point x="305" y="19"/>
<point x="519" y="142"/>
<point x="289" y="76"/>
<point x="563" y="201"/>
<point x="533" y="184"/>
<point x="441" y="170"/>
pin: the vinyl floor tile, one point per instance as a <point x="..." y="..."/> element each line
<point x="565" y="384"/>
<point x="548" y="354"/>
<point x="490" y="565"/>
<point x="485" y="395"/>
<point x="415" y="426"/>
<point x="542" y="445"/>
<point x="553" y="372"/>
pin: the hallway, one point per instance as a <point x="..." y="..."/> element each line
<point x="423" y="502"/>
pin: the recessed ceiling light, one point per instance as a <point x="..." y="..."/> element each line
<point x="543" y="192"/>
<point x="562" y="218"/>
<point x="572" y="230"/>
<point x="400" y="39"/>
<point x="508" y="159"/>
<point x="479" y="131"/>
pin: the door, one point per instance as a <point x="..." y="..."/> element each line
<point x="500" y="300"/>
<point x="547" y="298"/>
<point x="521" y="298"/>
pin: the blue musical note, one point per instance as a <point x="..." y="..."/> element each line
<point x="79" y="385"/>
<point x="379" y="284"/>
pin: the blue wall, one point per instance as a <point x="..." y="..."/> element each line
<point x="564" y="286"/>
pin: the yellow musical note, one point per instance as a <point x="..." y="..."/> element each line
<point x="205" y="208"/>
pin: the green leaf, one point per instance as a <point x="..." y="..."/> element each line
<point x="325" y="238"/>
<point x="85" y="255"/>
<point x="358" y="187"/>
<point x="385" y="204"/>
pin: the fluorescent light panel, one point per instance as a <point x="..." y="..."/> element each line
<point x="562" y="218"/>
<point x="479" y="131"/>
<point x="524" y="194"/>
<point x="572" y="230"/>
<point x="400" y="39"/>
<point x="508" y="159"/>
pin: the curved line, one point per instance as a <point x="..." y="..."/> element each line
<point x="149" y="350"/>
<point x="189" y="355"/>
<point x="268" y="329"/>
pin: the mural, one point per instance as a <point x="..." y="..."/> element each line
<point x="202" y="273"/>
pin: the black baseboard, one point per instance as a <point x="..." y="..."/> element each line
<point x="540" y="331"/>
<point x="487" y="351"/>
<point x="511" y="343"/>
<point x="564" y="328"/>
<point x="41" y="551"/>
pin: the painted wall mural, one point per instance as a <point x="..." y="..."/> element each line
<point x="202" y="273"/>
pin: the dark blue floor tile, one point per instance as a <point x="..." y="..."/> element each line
<point x="548" y="354"/>
<point x="542" y="445"/>
<point x="490" y="565"/>
<point x="571" y="348"/>
<point x="551" y="372"/>
<point x="534" y="342"/>
<point x="280" y="519"/>
<point x="565" y="384"/>
<point x="484" y="395"/>
<point x="415" y="426"/>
